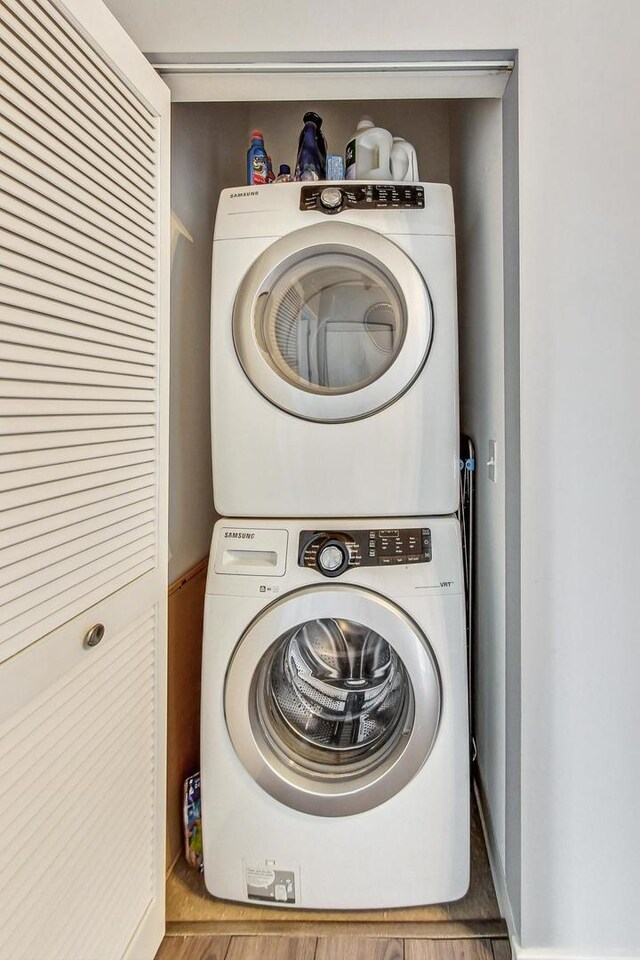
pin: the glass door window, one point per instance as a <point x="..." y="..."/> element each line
<point x="332" y="699"/>
<point x="333" y="696"/>
<point x="332" y="323"/>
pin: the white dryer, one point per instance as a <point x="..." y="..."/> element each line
<point x="335" y="769"/>
<point x="334" y="361"/>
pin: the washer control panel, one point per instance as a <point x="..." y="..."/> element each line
<point x="332" y="198"/>
<point x="331" y="552"/>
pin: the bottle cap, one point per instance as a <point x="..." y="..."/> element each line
<point x="366" y="123"/>
<point x="284" y="169"/>
<point x="256" y="135"/>
<point x="311" y="117"/>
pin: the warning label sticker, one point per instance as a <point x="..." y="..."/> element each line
<point x="265" y="881"/>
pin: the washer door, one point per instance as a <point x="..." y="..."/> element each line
<point x="332" y="700"/>
<point x="332" y="322"/>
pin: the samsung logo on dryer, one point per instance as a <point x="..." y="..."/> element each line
<point x="238" y="535"/>
<point x="245" y="193"/>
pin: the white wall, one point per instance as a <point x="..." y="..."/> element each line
<point x="580" y="290"/>
<point x="476" y="168"/>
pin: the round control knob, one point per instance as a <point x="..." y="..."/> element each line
<point x="332" y="559"/>
<point x="331" y="198"/>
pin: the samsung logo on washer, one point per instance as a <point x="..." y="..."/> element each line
<point x="239" y="535"/>
<point x="245" y="193"/>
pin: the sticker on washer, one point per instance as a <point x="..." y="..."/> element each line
<point x="266" y="881"/>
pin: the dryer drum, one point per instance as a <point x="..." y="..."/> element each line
<point x="333" y="693"/>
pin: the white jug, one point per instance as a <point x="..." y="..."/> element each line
<point x="404" y="163"/>
<point x="368" y="153"/>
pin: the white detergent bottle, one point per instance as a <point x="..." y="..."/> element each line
<point x="368" y="152"/>
<point x="404" y="162"/>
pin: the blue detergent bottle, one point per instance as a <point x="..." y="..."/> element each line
<point x="257" y="160"/>
<point x="312" y="150"/>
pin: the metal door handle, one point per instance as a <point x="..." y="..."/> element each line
<point x="93" y="636"/>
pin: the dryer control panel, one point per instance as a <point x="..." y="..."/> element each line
<point x="331" y="552"/>
<point x="328" y="197"/>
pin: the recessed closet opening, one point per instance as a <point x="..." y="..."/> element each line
<point x="470" y="144"/>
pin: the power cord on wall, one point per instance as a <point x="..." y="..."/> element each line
<point x="466" y="519"/>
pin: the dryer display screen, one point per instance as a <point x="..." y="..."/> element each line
<point x="321" y="549"/>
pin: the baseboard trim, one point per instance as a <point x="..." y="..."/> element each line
<point x="431" y="930"/>
<point x="497" y="869"/>
<point x="189" y="575"/>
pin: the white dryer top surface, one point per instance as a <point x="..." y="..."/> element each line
<point x="273" y="210"/>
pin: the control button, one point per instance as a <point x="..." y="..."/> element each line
<point x="330" y="558"/>
<point x="331" y="198"/>
<point x="414" y="558"/>
<point x="398" y="560"/>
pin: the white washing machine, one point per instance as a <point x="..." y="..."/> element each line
<point x="334" y="361"/>
<point x="335" y="764"/>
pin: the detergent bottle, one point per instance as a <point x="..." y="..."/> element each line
<point x="312" y="150"/>
<point x="257" y="160"/>
<point x="284" y="174"/>
<point x="368" y="152"/>
<point x="404" y="163"/>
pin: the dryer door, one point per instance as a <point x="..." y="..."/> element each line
<point x="332" y="700"/>
<point x="332" y="322"/>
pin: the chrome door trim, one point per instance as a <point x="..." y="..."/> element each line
<point x="401" y="272"/>
<point x="297" y="787"/>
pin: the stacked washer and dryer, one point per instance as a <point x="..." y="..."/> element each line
<point x="334" y="739"/>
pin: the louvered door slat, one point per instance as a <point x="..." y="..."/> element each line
<point x="65" y="520"/>
<point x="73" y="407"/>
<point x="27" y="48"/>
<point x="78" y="747"/>
<point x="31" y="122"/>
<point x="55" y="237"/>
<point x="67" y="374"/>
<point x="69" y="558"/>
<point x="78" y="437"/>
<point x="59" y="715"/>
<point x="28" y="426"/>
<point x="24" y="174"/>
<point x="81" y="573"/>
<point x="35" y="312"/>
<point x="25" y="552"/>
<point x="49" y="298"/>
<point x="53" y="96"/>
<point x="132" y="526"/>
<point x="43" y="514"/>
<point x="71" y="278"/>
<point x="21" y="137"/>
<point x="89" y="585"/>
<point x="72" y="230"/>
<point x="93" y="72"/>
<point x="62" y="360"/>
<point x="63" y="258"/>
<point x="64" y="337"/>
<point x="30" y="482"/>
<point x="71" y="454"/>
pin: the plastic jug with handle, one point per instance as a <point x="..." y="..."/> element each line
<point x="368" y="152"/>
<point x="404" y="163"/>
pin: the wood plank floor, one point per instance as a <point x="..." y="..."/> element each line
<point x="329" y="948"/>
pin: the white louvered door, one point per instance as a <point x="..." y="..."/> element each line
<point x="84" y="174"/>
